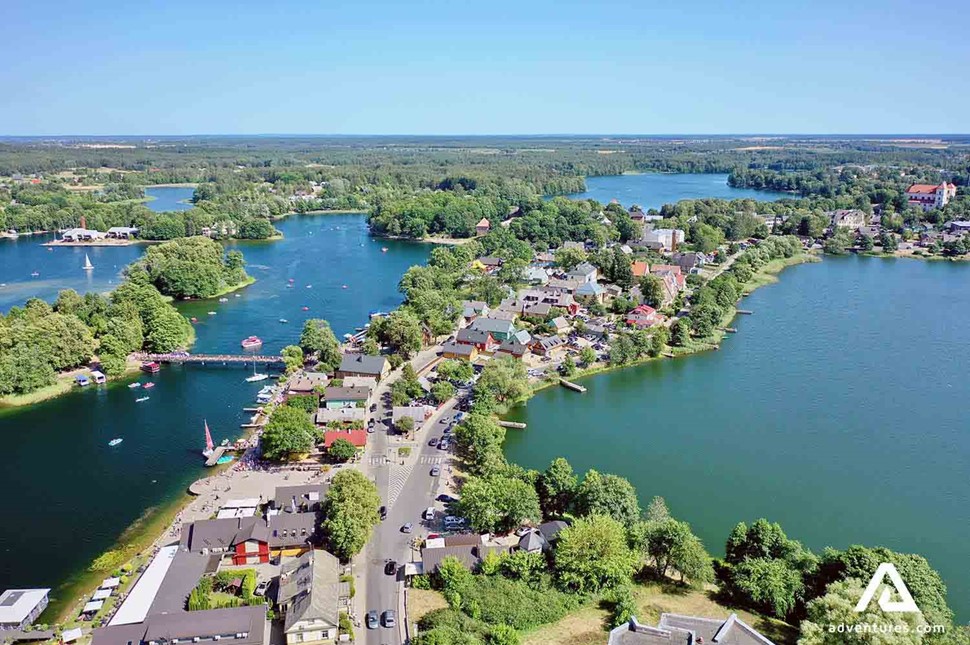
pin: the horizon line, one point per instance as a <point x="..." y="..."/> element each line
<point x="506" y="134"/>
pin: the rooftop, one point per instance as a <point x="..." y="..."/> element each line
<point x="16" y="604"/>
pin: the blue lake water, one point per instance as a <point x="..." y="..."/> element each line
<point x="653" y="190"/>
<point x="169" y="198"/>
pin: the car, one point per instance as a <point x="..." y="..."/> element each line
<point x="435" y="470"/>
<point x="447" y="430"/>
<point x="432" y="536"/>
<point x="407" y="528"/>
<point x="383" y="512"/>
<point x="372" y="619"/>
<point x="391" y="567"/>
<point x="389" y="618"/>
<point x="373" y="408"/>
<point x="261" y="588"/>
<point x="429" y="513"/>
<point x="370" y="429"/>
<point x="444" y="445"/>
<point x="446" y="498"/>
<point x="433" y="441"/>
<point x="453" y="522"/>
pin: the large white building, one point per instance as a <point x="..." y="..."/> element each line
<point x="930" y="196"/>
<point x="662" y="239"/>
<point x="21" y="607"/>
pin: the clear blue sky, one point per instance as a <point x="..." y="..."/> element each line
<point x="487" y="67"/>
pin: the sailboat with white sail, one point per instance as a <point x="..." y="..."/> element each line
<point x="87" y="263"/>
<point x="256" y="377"/>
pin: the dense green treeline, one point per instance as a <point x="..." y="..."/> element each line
<point x="192" y="267"/>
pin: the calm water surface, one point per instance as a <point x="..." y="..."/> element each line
<point x="67" y="496"/>
<point x="653" y="190"/>
<point x="169" y="198"/>
<point x="839" y="409"/>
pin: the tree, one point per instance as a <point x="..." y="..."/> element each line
<point x="292" y="358"/>
<point x="681" y="332"/>
<point x="837" y="607"/>
<point x="318" y="338"/>
<point x="505" y="380"/>
<point x="342" y="450"/>
<point x="441" y="391"/>
<point x="671" y="544"/>
<point x="887" y="240"/>
<point x="498" y="504"/>
<point x="865" y="242"/>
<point x="567" y="259"/>
<point x="771" y="586"/>
<point x="351" y="513"/>
<point x="592" y="554"/>
<point x="478" y="442"/>
<point x="456" y="370"/>
<point x="652" y="290"/>
<point x="557" y="487"/>
<point x="401" y="331"/>
<point x="503" y="635"/>
<point x="189" y="267"/>
<point x="288" y="431"/>
<point x="609" y="495"/>
<point x="404" y="425"/>
<point x="568" y="366"/>
<point x="587" y="356"/>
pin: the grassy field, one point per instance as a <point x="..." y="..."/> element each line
<point x="422" y="602"/>
<point x="588" y="626"/>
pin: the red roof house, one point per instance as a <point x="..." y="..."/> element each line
<point x="640" y="269"/>
<point x="356" y="437"/>
<point x="643" y="316"/>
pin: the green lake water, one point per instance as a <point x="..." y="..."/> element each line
<point x="839" y="409"/>
<point x="66" y="494"/>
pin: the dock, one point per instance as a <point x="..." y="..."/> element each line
<point x="215" y="456"/>
<point x="730" y="330"/>
<point x="211" y="359"/>
<point x="572" y="386"/>
<point x="669" y="355"/>
<point x="512" y="424"/>
<point x="746" y="312"/>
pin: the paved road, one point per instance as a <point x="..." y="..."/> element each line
<point x="407" y="490"/>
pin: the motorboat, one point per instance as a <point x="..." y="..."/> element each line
<point x="148" y="386"/>
<point x="115" y="442"/>
<point x="252" y="342"/>
<point x="140" y="399"/>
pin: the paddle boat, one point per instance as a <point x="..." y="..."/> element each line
<point x="148" y="386"/>
<point x="115" y="442"/>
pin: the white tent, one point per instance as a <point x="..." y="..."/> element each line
<point x="71" y="635"/>
<point x="101" y="594"/>
<point x="110" y="583"/>
<point x="92" y="606"/>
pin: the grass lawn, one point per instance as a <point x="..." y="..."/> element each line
<point x="422" y="602"/>
<point x="587" y="626"/>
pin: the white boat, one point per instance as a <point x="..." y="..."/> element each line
<point x="115" y="442"/>
<point x="144" y="398"/>
<point x="223" y="299"/>
<point x="133" y="386"/>
<point x="255" y="378"/>
<point x="87" y="263"/>
<point x="284" y="320"/>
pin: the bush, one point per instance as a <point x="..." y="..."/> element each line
<point x="305" y="402"/>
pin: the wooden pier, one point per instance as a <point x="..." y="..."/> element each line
<point x="745" y="312"/>
<point x="730" y="330"/>
<point x="572" y="386"/>
<point x="512" y="424"/>
<point x="215" y="456"/>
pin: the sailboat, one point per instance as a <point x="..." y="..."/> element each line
<point x="209" y="447"/>
<point x="87" y="263"/>
<point x="256" y="377"/>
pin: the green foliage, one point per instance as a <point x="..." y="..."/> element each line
<point x="498" y="503"/>
<point x="557" y="488"/>
<point x="292" y="358"/>
<point x="351" y="513"/>
<point x="837" y="607"/>
<point x="193" y="267"/>
<point x="456" y="370"/>
<point x="289" y="431"/>
<point x="621" y="604"/>
<point x="442" y="391"/>
<point x="592" y="554"/>
<point x="503" y="380"/>
<point x="652" y="290"/>
<point x="401" y="331"/>
<point x="317" y="339"/>
<point x="306" y="402"/>
<point x="609" y="495"/>
<point x="342" y="450"/>
<point x="587" y="356"/>
<point x="478" y="443"/>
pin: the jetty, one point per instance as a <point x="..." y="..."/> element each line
<point x="211" y="359"/>
<point x="216" y="455"/>
<point x="746" y="312"/>
<point x="730" y="330"/>
<point x="576" y="387"/>
<point x="512" y="424"/>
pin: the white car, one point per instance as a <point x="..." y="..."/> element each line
<point x="429" y="513"/>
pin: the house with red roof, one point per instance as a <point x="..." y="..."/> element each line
<point x="482" y="227"/>
<point x="643" y="316"/>
<point x="930" y="196"/>
<point x="640" y="269"/>
<point x="356" y="437"/>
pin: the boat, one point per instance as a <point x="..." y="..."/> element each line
<point x="309" y="286"/>
<point x="35" y="274"/>
<point x="223" y="299"/>
<point x="134" y="386"/>
<point x="194" y="319"/>
<point x="383" y="249"/>
<point x="238" y="296"/>
<point x="143" y="398"/>
<point x="256" y="377"/>
<point x="87" y="263"/>
<point x="306" y="309"/>
<point x="151" y="367"/>
<point x="115" y="442"/>
<point x="292" y="280"/>
<point x="148" y="386"/>
<point x="209" y="446"/>
<point x="212" y="313"/>
<point x="251" y="342"/>
<point x="284" y="320"/>
<point x="343" y="286"/>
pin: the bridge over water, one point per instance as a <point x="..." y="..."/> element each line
<point x="211" y="359"/>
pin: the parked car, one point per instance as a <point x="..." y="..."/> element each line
<point x="444" y="445"/>
<point x="435" y="470"/>
<point x="372" y="619"/>
<point x="383" y="511"/>
<point x="261" y="588"/>
<point x="389" y="618"/>
<point x="390" y="568"/>
<point x="433" y="441"/>
<point x="454" y="522"/>
<point x="407" y="528"/>
<point x="446" y="498"/>
<point x="429" y="513"/>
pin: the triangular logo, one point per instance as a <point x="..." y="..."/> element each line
<point x="905" y="604"/>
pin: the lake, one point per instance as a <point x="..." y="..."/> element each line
<point x="68" y="495"/>
<point x="169" y="198"/>
<point x="653" y="190"/>
<point x="838" y="410"/>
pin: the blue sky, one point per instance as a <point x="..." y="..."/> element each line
<point x="496" y="67"/>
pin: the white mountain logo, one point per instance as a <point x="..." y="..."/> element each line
<point x="905" y="604"/>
